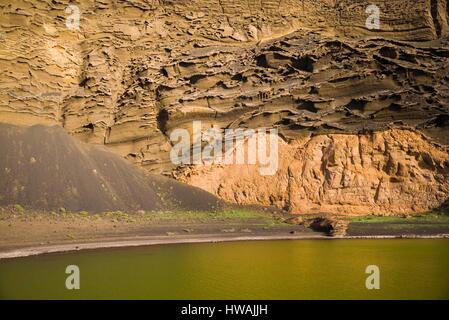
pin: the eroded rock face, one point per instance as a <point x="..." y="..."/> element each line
<point x="136" y="70"/>
<point x="388" y="172"/>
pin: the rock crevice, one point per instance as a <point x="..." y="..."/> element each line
<point x="388" y="172"/>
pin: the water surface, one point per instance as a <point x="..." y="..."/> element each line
<point x="315" y="269"/>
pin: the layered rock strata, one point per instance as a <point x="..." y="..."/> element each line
<point x="133" y="71"/>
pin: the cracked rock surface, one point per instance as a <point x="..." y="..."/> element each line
<point x="370" y="108"/>
<point x="387" y="172"/>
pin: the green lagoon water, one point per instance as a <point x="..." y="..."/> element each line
<point x="316" y="269"/>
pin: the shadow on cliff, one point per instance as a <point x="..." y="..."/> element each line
<point x="445" y="207"/>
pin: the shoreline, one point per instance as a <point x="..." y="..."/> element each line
<point x="128" y="242"/>
<point x="30" y="233"/>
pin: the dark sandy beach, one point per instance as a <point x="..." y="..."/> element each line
<point x="37" y="232"/>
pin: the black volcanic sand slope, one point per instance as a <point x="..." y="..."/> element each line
<point x="43" y="167"/>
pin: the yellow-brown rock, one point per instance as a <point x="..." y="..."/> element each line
<point x="387" y="172"/>
<point x="363" y="114"/>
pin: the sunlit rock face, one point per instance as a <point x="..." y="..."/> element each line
<point x="133" y="71"/>
<point x="387" y="172"/>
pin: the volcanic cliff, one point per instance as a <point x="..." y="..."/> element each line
<point x="362" y="114"/>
